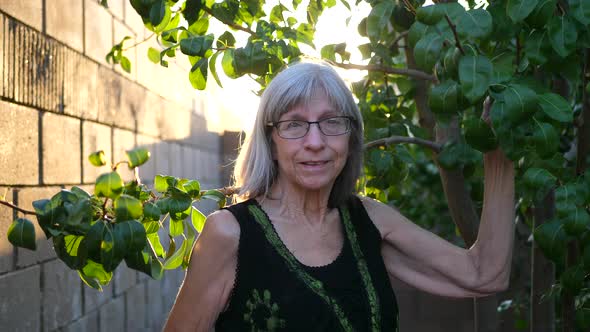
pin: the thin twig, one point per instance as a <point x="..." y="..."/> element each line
<point x="410" y="7"/>
<point x="230" y="24"/>
<point x="400" y="37"/>
<point x="379" y="68"/>
<point x="453" y="28"/>
<point x="139" y="43"/>
<point x="404" y="139"/>
<point x="3" y="202"/>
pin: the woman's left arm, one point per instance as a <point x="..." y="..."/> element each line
<point x="426" y="261"/>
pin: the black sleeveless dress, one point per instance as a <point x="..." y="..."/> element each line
<point x="273" y="291"/>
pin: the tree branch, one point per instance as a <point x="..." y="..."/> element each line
<point x="3" y="202"/>
<point x="404" y="139"/>
<point x="230" y="24"/>
<point x="384" y="69"/>
<point x="453" y="28"/>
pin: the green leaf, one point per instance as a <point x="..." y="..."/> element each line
<point x="215" y="195"/>
<point x="432" y="14"/>
<point x="541" y="14"/>
<point x="520" y="102"/>
<point x="577" y="222"/>
<point x="191" y="237"/>
<point x="163" y="182"/>
<point x="154" y="241"/>
<point x="158" y="12"/>
<point x="196" y="45"/>
<point x="127" y="208"/>
<point x="475" y="24"/>
<point x="378" y="20"/>
<point x="556" y="107"/>
<point x="552" y="240"/>
<point x="176" y="227"/>
<point x="200" y="26"/>
<point x="71" y="250"/>
<point x="97" y="158"/>
<point x="132" y="233"/>
<point x="227" y="63"/>
<point x="198" y="219"/>
<point x="112" y="249"/>
<point x="213" y="68"/>
<point x="198" y="74"/>
<point x="93" y="239"/>
<point x="154" y="55"/>
<point x="545" y="139"/>
<point x="94" y="275"/>
<point x="475" y="76"/>
<point x="126" y="64"/>
<point x="175" y="260"/>
<point x="445" y="98"/>
<point x="226" y="40"/>
<point x="583" y="318"/>
<point x="192" y="188"/>
<point x="427" y="51"/>
<point x="137" y="157"/>
<point x="539" y="178"/>
<point x="572" y="279"/>
<point x="536" y="47"/>
<point x="562" y="35"/>
<point x="145" y="261"/>
<point x="179" y="201"/>
<point x="151" y="212"/>
<point x="480" y="135"/>
<point x="580" y="10"/>
<point x="108" y="185"/>
<point x="276" y="13"/>
<point x="21" y="233"/>
<point x="455" y="154"/>
<point x="518" y="10"/>
<point x="104" y="3"/>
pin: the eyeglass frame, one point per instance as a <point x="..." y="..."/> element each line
<point x="309" y="123"/>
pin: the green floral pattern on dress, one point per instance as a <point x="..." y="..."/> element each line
<point x="261" y="314"/>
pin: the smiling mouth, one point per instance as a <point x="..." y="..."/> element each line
<point x="315" y="163"/>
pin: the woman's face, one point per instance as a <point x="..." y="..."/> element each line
<point x="313" y="161"/>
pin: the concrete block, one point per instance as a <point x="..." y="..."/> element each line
<point x="94" y="299"/>
<point x="88" y="323"/>
<point x="170" y="287"/>
<point x="186" y="158"/>
<point x="98" y="32"/>
<point x="121" y="31"/>
<point x="133" y="20"/>
<point x="112" y="315"/>
<point x="176" y="160"/>
<point x="19" y="162"/>
<point x="136" y="309"/>
<point x="116" y="7"/>
<point x="109" y="94"/>
<point x="20" y="303"/>
<point x="80" y="86"/>
<point x="163" y="157"/>
<point x="156" y="312"/>
<point x="62" y="295"/>
<point x="123" y="140"/>
<point x="147" y="117"/>
<point x="125" y="278"/>
<point x="174" y="121"/>
<point x="133" y="104"/>
<point x="147" y="171"/>
<point x="63" y="19"/>
<point x="27" y="11"/>
<point x="61" y="149"/>
<point x="6" y="219"/>
<point x="95" y="137"/>
<point x="44" y="252"/>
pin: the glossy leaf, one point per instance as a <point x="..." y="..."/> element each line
<point x="176" y="227"/>
<point x="197" y="219"/>
<point x="70" y="249"/>
<point x="192" y="188"/>
<point x="191" y="237"/>
<point x="216" y="196"/>
<point x="542" y="13"/>
<point x="200" y="26"/>
<point x="226" y="40"/>
<point x="132" y="233"/>
<point x="97" y="158"/>
<point x="577" y="222"/>
<point x="444" y="98"/>
<point x="520" y="102"/>
<point x="175" y="260"/>
<point x="198" y="74"/>
<point x="480" y="135"/>
<point x="562" y="35"/>
<point x="539" y="178"/>
<point x="475" y="24"/>
<point x="109" y="185"/>
<point x="151" y="212"/>
<point x="112" y="249"/>
<point x="572" y="279"/>
<point x="545" y="139"/>
<point x="475" y="76"/>
<point x="580" y="10"/>
<point x="432" y="14"/>
<point x="556" y="107"/>
<point x="427" y="51"/>
<point x="196" y="45"/>
<point x="378" y="20"/>
<point x="94" y="275"/>
<point x="552" y="240"/>
<point x="518" y="10"/>
<point x="154" y="241"/>
<point x="21" y="233"/>
<point x="137" y="157"/>
<point x="535" y="47"/>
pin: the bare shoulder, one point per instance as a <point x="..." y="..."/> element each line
<point x="385" y="217"/>
<point x="222" y="225"/>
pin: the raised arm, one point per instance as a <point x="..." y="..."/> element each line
<point x="210" y="276"/>
<point x="424" y="260"/>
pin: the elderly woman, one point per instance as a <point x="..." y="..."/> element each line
<point x="303" y="252"/>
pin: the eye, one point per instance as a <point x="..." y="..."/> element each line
<point x="293" y="125"/>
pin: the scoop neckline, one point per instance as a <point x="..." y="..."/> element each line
<point x="336" y="260"/>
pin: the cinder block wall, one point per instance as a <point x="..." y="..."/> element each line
<point x="60" y="101"/>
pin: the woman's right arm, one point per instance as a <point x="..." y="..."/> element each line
<point x="210" y="276"/>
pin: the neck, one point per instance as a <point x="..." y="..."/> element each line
<point x="310" y="206"/>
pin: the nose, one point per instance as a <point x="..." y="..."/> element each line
<point x="314" y="139"/>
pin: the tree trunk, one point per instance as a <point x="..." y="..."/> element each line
<point x="543" y="273"/>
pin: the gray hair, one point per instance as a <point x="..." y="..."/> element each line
<point x="256" y="170"/>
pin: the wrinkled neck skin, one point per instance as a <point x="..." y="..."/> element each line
<point x="293" y="204"/>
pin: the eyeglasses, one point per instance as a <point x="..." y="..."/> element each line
<point x="292" y="129"/>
